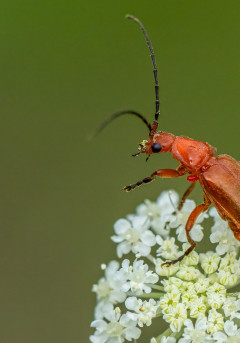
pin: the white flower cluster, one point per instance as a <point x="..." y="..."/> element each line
<point x="192" y="296"/>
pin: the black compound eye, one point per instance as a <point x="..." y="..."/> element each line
<point x="156" y="147"/>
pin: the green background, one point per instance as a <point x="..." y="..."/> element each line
<point x="65" y="66"/>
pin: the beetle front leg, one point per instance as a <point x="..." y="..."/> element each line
<point x="165" y="173"/>
<point x="188" y="227"/>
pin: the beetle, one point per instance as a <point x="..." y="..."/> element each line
<point x="219" y="176"/>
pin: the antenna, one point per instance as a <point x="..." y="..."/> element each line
<point x="149" y="44"/>
<point x="120" y="113"/>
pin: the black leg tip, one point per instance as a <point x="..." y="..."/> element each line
<point x="126" y="188"/>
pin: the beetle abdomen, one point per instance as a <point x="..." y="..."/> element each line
<point x="221" y="183"/>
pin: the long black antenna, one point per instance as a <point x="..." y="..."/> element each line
<point x="149" y="44"/>
<point x="120" y="113"/>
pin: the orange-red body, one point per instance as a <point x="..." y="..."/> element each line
<point x="219" y="176"/>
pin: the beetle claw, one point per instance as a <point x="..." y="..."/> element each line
<point x="127" y="188"/>
<point x="169" y="263"/>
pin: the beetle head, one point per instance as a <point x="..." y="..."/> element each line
<point x="157" y="143"/>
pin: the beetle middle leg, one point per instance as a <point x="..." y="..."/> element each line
<point x="165" y="173"/>
<point x="188" y="227"/>
<point x="185" y="195"/>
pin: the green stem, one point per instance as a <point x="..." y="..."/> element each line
<point x="178" y="334"/>
<point x="234" y="294"/>
<point x="150" y="258"/>
<point x="159" y="288"/>
<point x="155" y="295"/>
<point x="165" y="333"/>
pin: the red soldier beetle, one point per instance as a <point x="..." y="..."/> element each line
<point x="219" y="176"/>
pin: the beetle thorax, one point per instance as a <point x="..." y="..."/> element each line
<point x="191" y="153"/>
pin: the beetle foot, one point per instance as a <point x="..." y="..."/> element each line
<point x="179" y="259"/>
<point x="128" y="188"/>
<point x="137" y="184"/>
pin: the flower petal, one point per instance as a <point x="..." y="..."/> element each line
<point x="148" y="238"/>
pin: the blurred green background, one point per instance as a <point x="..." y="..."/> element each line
<point x="64" y="67"/>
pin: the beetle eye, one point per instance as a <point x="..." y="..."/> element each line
<point x="156" y="147"/>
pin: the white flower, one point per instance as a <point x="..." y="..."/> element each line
<point x="213" y="278"/>
<point x="189" y="297"/>
<point x="180" y="221"/>
<point x="137" y="277"/>
<point x="157" y="219"/>
<point x="116" y="330"/>
<point x="231" y="335"/>
<point x="216" y="295"/>
<point x="222" y="234"/>
<point x="168" y="301"/>
<point x="209" y="262"/>
<point x="149" y="209"/>
<point x="168" y="340"/>
<point x="195" y="334"/>
<point x="172" y="283"/>
<point x="168" y="249"/>
<point x="108" y="288"/>
<point x="164" y="270"/>
<point x="144" y="310"/>
<point x="187" y="286"/>
<point x="176" y="317"/>
<point x="102" y="309"/>
<point x="192" y="259"/>
<point x="217" y="289"/>
<point x="160" y="213"/>
<point x="198" y="308"/>
<point x="188" y="273"/>
<point x="133" y="235"/>
<point x="201" y="285"/>
<point x="193" y="292"/>
<point x="168" y="201"/>
<point x="229" y="270"/>
<point x="231" y="308"/>
<point x="229" y="263"/>
<point x="227" y="278"/>
<point x="164" y="339"/>
<point x="215" y="321"/>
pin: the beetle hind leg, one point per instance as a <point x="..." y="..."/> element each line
<point x="189" y="250"/>
<point x="188" y="227"/>
<point x="179" y="259"/>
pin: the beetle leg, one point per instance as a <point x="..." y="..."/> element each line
<point x="189" y="225"/>
<point x="186" y="194"/>
<point x="167" y="173"/>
